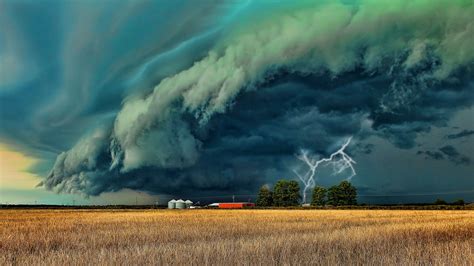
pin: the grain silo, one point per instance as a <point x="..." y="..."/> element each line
<point x="172" y="204"/>
<point x="180" y="204"/>
<point x="188" y="203"/>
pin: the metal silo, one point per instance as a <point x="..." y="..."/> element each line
<point x="172" y="204"/>
<point x="180" y="204"/>
<point x="188" y="203"/>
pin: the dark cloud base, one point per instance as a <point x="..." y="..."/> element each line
<point x="255" y="141"/>
<point x="463" y="134"/>
<point x="187" y="99"/>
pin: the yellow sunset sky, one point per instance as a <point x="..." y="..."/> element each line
<point x="13" y="170"/>
<point x="18" y="186"/>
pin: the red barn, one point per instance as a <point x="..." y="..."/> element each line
<point x="236" y="205"/>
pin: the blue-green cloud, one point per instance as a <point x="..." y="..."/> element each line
<point x="214" y="98"/>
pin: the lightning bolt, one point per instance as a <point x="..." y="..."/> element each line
<point x="339" y="160"/>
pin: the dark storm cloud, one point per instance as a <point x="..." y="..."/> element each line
<point x="436" y="155"/>
<point x="447" y="152"/>
<point x="196" y="119"/>
<point x="463" y="134"/>
<point x="70" y="64"/>
<point x="364" y="148"/>
<point x="454" y="156"/>
<point x="233" y="120"/>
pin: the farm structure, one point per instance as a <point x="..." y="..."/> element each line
<point x="236" y="205"/>
<point x="179" y="204"/>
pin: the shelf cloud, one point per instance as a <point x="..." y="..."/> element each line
<point x="258" y="86"/>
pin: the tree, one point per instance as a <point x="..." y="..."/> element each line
<point x="286" y="193"/>
<point x="348" y="193"/>
<point x="342" y="194"/>
<point x="333" y="196"/>
<point x="440" y="202"/>
<point x="319" y="196"/>
<point x="458" y="202"/>
<point x="265" y="197"/>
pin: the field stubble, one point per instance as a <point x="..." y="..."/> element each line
<point x="242" y="237"/>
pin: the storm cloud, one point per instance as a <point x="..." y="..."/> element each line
<point x="463" y="134"/>
<point x="297" y="75"/>
<point x="454" y="155"/>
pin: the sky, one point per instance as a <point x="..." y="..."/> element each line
<point x="120" y="102"/>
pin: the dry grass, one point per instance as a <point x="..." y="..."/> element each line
<point x="242" y="237"/>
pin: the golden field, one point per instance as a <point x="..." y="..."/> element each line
<point x="236" y="237"/>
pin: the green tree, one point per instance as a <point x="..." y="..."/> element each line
<point x="440" y="202"/>
<point x="265" y="197"/>
<point x="286" y="193"/>
<point x="348" y="193"/>
<point x="333" y="196"/>
<point x="319" y="196"/>
<point x="342" y="194"/>
<point x="458" y="202"/>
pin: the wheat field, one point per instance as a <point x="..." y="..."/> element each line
<point x="236" y="237"/>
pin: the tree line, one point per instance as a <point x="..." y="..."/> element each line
<point x="443" y="202"/>
<point x="286" y="193"/>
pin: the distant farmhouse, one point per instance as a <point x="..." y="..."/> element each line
<point x="181" y="204"/>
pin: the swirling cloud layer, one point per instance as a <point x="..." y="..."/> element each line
<point x="236" y="95"/>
